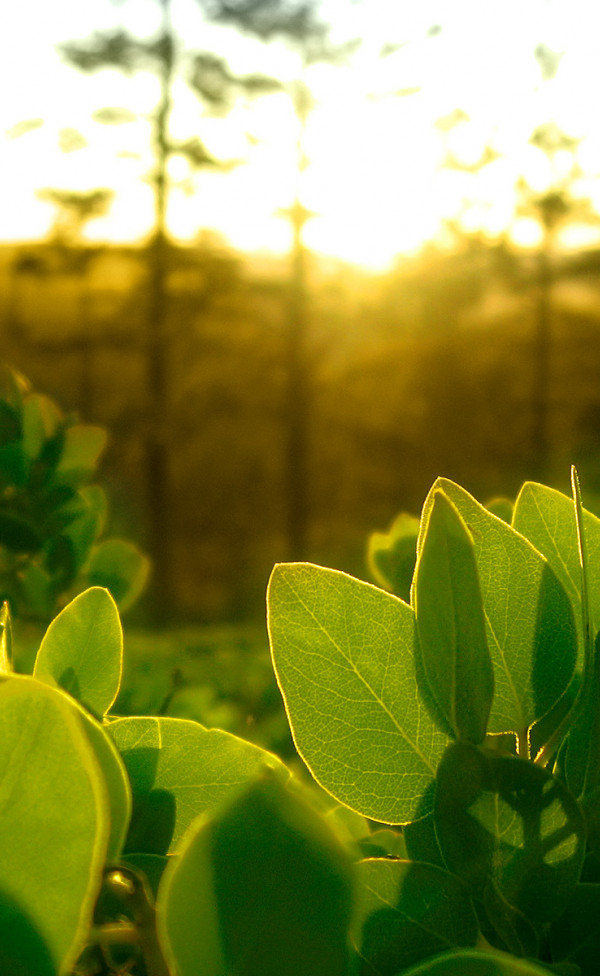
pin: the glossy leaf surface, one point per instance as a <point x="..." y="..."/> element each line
<point x="54" y="821"/>
<point x="344" y="656"/>
<point x="82" y="650"/>
<point x="278" y="906"/>
<point x="531" y="630"/>
<point x="451" y="623"/>
<point x="178" y="770"/>
<point x="408" y="911"/>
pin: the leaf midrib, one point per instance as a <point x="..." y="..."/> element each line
<point x="352" y="666"/>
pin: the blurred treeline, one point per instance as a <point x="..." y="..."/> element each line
<point x="465" y="363"/>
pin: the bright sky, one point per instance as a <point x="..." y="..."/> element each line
<point x="376" y="176"/>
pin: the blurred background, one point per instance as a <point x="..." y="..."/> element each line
<point x="300" y="258"/>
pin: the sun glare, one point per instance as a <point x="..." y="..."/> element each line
<point x="378" y="181"/>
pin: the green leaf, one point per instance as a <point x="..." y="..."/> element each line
<point x="408" y="911"/>
<point x="343" y="652"/>
<point x="96" y="504"/>
<point x="44" y="467"/>
<point x="178" y="770"/>
<point x="54" y="820"/>
<point x="25" y="953"/>
<point x="350" y="825"/>
<point x="545" y="516"/>
<point x="391" y="555"/>
<point x="475" y="962"/>
<point x="114" y="774"/>
<point x="116" y="779"/>
<point x="82" y="650"/>
<point x="582" y="755"/>
<point x="18" y="535"/>
<point x="505" y="925"/>
<point x="530" y="627"/>
<point x="502" y="820"/>
<point x="575" y="936"/>
<point x="586" y="617"/>
<point x="278" y="906"/>
<point x="41" y="420"/>
<point x="121" y="567"/>
<point x="10" y="424"/>
<point x="13" y="465"/>
<point x="37" y="589"/>
<point x="83" y="445"/>
<point x="60" y="561"/>
<point x="6" y="654"/>
<point x="83" y="531"/>
<point x="384" y="842"/>
<point x="451" y="624"/>
<point x="421" y="841"/>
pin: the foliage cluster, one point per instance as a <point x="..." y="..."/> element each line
<point x="457" y="734"/>
<point x="52" y="517"/>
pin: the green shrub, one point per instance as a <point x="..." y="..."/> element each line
<point x="456" y="738"/>
<point x="470" y="716"/>
<point x="52" y="517"/>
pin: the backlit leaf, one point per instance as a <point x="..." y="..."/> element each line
<point x="475" y="962"/>
<point x="54" y="821"/>
<point x="545" y="516"/>
<point x="409" y="911"/>
<point x="582" y="754"/>
<point x="25" y="952"/>
<point x="344" y="656"/>
<point x="502" y="820"/>
<point x="384" y="842"/>
<point x="178" y="770"/>
<point x="451" y="625"/>
<point x="116" y="780"/>
<point x="82" y="650"/>
<point x="531" y="631"/>
<point x="278" y="906"/>
<point x="421" y="841"/>
<point x="6" y="655"/>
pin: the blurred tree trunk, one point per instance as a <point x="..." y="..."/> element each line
<point x="217" y="86"/>
<point x="551" y="208"/>
<point x="540" y="447"/>
<point x="296" y="476"/>
<point x="157" y="448"/>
